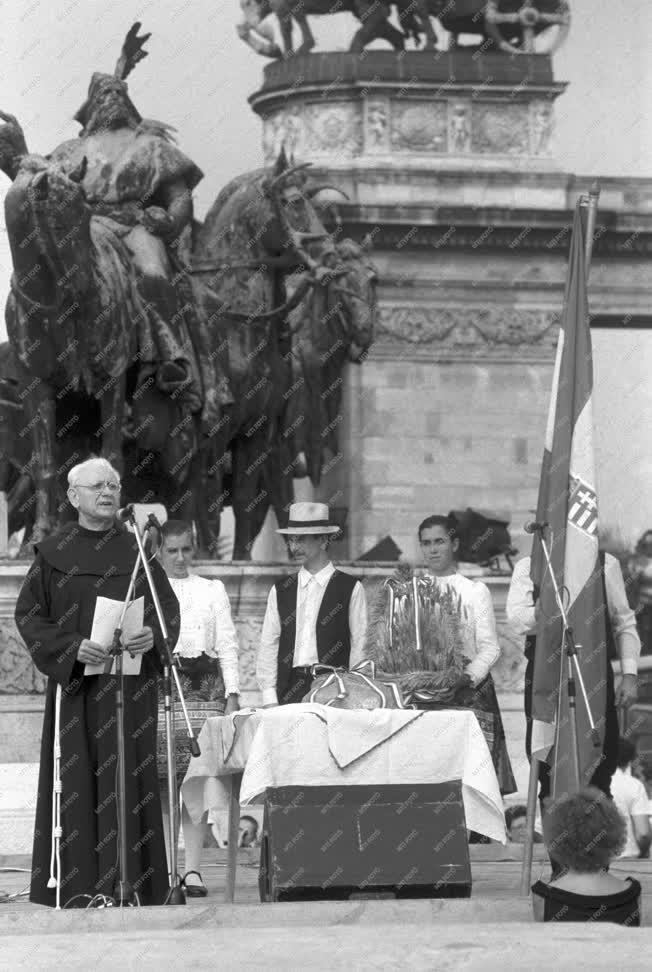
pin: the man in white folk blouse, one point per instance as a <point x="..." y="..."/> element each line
<point x="623" y="644"/>
<point x="318" y="615"/>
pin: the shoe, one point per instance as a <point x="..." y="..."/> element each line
<point x="194" y="890"/>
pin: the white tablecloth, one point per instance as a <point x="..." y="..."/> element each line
<point x="313" y="745"/>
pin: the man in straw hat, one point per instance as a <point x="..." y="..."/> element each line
<point x="316" y="616"/>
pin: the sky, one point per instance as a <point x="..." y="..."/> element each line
<point x="199" y="74"/>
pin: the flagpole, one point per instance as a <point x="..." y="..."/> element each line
<point x="591" y="204"/>
<point x="531" y="813"/>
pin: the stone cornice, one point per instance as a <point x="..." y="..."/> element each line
<point x="492" y="229"/>
<point x="411" y="68"/>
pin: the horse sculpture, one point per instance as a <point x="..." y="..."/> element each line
<point x="157" y="341"/>
<point x="254" y="236"/>
<point x="372" y="14"/>
<point x="340" y="322"/>
<point x="507" y="25"/>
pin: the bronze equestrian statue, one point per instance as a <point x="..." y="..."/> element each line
<point x="168" y="337"/>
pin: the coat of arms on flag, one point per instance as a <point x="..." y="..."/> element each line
<point x="582" y="506"/>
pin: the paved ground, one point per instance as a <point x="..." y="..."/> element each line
<point x="491" y="930"/>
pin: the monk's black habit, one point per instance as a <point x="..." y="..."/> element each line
<point x="53" y="613"/>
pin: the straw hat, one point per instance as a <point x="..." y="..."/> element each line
<point x="309" y="518"/>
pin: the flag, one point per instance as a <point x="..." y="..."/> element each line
<point x="568" y="503"/>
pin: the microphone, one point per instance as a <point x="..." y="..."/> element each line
<point x="152" y="521"/>
<point x="126" y="513"/>
<point x="533" y="527"/>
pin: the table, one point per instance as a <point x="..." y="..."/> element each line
<point x="316" y="745"/>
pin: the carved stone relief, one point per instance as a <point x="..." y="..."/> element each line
<point x="18" y="674"/>
<point x="334" y="127"/>
<point x="459" y="127"/>
<point x="469" y="328"/>
<point x="377" y="126"/>
<point x="499" y="129"/>
<point x="380" y="125"/>
<point x="541" y="127"/>
<point x="248" y="631"/>
<point x="420" y="127"/>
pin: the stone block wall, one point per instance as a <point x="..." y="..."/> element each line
<point x="428" y="437"/>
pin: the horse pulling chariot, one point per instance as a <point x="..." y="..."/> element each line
<point x="506" y="25"/>
<point x="167" y="343"/>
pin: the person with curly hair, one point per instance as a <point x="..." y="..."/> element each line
<point x="583" y="833"/>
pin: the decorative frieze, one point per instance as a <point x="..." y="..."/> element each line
<point x="418" y="127"/>
<point x="403" y="125"/>
<point x="473" y="331"/>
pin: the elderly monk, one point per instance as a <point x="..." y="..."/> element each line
<point x="54" y="613"/>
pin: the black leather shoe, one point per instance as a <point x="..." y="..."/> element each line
<point x="194" y="890"/>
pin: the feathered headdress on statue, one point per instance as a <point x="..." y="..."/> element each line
<point x="132" y="52"/>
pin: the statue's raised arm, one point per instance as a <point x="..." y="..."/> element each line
<point x="13" y="146"/>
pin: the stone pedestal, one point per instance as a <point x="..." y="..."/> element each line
<point x="448" y="163"/>
<point x="416" y="110"/>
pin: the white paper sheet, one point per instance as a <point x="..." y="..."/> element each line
<point x="105" y="620"/>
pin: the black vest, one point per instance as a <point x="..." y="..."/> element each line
<point x="333" y="635"/>
<point x="612" y="651"/>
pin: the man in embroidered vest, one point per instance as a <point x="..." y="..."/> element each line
<point x="318" y="615"/>
<point x="623" y="644"/>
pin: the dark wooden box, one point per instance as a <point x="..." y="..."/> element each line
<point x="337" y="842"/>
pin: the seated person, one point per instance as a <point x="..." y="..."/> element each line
<point x="584" y="832"/>
<point x="515" y="820"/>
<point x="630" y="796"/>
<point x="516" y="824"/>
<point x="248" y="832"/>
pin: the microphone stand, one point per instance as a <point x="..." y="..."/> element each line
<point x="570" y="650"/>
<point x="123" y="892"/>
<point x="176" y="895"/>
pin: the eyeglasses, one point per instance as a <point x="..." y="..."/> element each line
<point x="100" y="487"/>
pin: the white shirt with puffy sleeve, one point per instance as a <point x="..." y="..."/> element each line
<point x="520" y="610"/>
<point x="480" y="637"/>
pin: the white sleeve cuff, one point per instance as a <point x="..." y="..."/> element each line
<point x="476" y="671"/>
<point x="628" y="666"/>
<point x="270" y="697"/>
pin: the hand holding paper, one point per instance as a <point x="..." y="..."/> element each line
<point x="91" y="653"/>
<point x="140" y="642"/>
<point x="134" y="637"/>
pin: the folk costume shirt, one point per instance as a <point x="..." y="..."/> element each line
<point x="54" y="613"/>
<point x="207" y="626"/>
<point x="520" y="610"/>
<point x="310" y="594"/>
<point x="478" y="624"/>
<point x="630" y="796"/>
